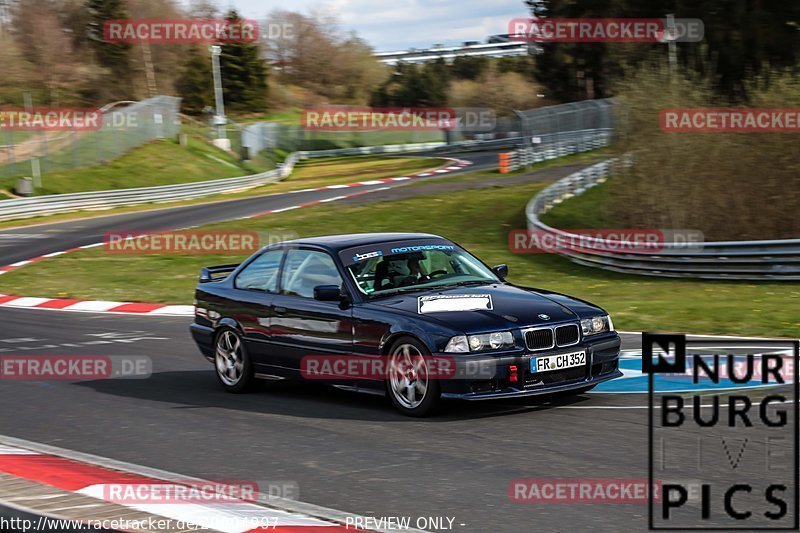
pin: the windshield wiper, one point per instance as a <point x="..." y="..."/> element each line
<point x="473" y="282"/>
<point x="403" y="290"/>
<point x="413" y="288"/>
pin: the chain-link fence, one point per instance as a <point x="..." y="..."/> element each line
<point x="25" y="153"/>
<point x="565" y="118"/>
<point x="542" y="125"/>
<point x="28" y="153"/>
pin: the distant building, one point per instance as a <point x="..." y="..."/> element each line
<point x="495" y="46"/>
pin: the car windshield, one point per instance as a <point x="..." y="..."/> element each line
<point x="416" y="268"/>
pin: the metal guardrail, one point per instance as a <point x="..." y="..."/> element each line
<point x="555" y="145"/>
<point x="365" y="150"/>
<point x="552" y="146"/>
<point x="63" y="203"/>
<point x="732" y="260"/>
<point x="464" y="146"/>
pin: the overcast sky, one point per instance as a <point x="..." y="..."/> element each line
<point x="401" y="24"/>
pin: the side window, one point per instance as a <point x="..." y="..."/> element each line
<point x="305" y="269"/>
<point x="262" y="273"/>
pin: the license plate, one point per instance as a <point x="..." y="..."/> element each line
<point x="549" y="363"/>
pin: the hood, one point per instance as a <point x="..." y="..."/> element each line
<point x="466" y="308"/>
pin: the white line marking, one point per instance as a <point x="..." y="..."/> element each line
<point x="218" y="160"/>
<point x="228" y="517"/>
<point x="282" y="504"/>
<point x="333" y="199"/>
<point x="34" y="498"/>
<point x="84" y="506"/>
<point x="285" y="209"/>
<point x="655" y="406"/>
<point x="179" y="310"/>
<point x="697" y="336"/>
<point x="12" y="450"/>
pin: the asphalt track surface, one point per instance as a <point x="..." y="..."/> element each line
<point x="345" y="451"/>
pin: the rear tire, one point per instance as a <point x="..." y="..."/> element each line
<point x="233" y="366"/>
<point x="408" y="384"/>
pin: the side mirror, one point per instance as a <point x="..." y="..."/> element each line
<point x="327" y="293"/>
<point x="501" y="271"/>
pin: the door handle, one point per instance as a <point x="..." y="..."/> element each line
<point x="280" y="310"/>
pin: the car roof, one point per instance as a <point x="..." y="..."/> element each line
<point x="336" y="243"/>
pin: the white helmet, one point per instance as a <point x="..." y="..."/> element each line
<point x="400" y="266"/>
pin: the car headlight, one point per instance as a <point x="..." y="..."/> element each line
<point x="477" y="343"/>
<point x="595" y="325"/>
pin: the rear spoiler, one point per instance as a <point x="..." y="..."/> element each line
<point x="209" y="274"/>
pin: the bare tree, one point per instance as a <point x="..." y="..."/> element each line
<point x="311" y="51"/>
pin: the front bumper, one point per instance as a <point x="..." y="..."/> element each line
<point x="602" y="364"/>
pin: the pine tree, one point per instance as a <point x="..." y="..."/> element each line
<point x="114" y="57"/>
<point x="244" y="74"/>
<point x="195" y="86"/>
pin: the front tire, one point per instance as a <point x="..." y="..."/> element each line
<point x="409" y="384"/>
<point x="233" y="366"/>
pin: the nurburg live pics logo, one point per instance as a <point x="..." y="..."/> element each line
<point x="742" y="444"/>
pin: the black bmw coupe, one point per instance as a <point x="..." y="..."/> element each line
<point x="411" y="315"/>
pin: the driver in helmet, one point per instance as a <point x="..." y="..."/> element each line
<point x="398" y="271"/>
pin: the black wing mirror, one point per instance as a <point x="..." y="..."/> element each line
<point x="328" y="293"/>
<point x="501" y="271"/>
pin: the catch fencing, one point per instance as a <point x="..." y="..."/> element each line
<point x="126" y="125"/>
<point x="553" y="146"/>
<point x="551" y="125"/>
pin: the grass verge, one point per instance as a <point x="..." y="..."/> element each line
<point x="479" y="220"/>
<point x="306" y="175"/>
<point x="589" y="210"/>
<point x="161" y="162"/>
